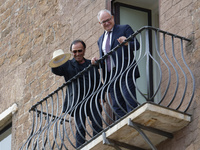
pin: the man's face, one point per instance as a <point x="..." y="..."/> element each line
<point x="106" y="21"/>
<point x="78" y="52"/>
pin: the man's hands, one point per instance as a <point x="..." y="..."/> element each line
<point x="93" y="60"/>
<point x="121" y="39"/>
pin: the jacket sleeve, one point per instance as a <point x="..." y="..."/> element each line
<point x="61" y="70"/>
<point x="128" y="32"/>
<point x="58" y="71"/>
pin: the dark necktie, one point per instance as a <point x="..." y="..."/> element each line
<point x="107" y="50"/>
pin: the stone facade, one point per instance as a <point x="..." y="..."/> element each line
<point x="30" y="30"/>
<point x="181" y="17"/>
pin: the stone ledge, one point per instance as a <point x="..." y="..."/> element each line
<point x="6" y="116"/>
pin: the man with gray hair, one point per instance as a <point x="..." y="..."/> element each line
<point x="114" y="35"/>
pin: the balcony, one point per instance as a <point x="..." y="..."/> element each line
<point x="165" y="91"/>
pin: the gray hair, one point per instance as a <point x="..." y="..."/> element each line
<point x="101" y="11"/>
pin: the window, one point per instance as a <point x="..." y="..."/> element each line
<point x="5" y="137"/>
<point x="6" y="127"/>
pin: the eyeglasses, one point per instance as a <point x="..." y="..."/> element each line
<point x="103" y="22"/>
<point x="75" y="51"/>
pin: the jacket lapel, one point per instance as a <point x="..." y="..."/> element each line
<point x="75" y="65"/>
<point x="100" y="44"/>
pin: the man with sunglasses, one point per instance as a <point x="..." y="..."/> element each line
<point x="114" y="35"/>
<point x="78" y="96"/>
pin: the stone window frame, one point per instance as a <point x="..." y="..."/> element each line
<point x="6" y="116"/>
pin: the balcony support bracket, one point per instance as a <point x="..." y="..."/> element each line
<point x="150" y="129"/>
<point x="108" y="142"/>
<point x="138" y="127"/>
<point x="117" y="144"/>
<point x="135" y="126"/>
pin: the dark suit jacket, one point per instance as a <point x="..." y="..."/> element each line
<point x="118" y="31"/>
<point x="69" y="70"/>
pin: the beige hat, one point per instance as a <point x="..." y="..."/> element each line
<point x="59" y="58"/>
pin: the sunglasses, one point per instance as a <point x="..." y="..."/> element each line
<point x="75" y="51"/>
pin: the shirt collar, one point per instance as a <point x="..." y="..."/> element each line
<point x="109" y="31"/>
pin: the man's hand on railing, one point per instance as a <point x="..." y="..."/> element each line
<point x="122" y="39"/>
<point x="93" y="61"/>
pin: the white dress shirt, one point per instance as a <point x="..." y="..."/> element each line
<point x="104" y="44"/>
<point x="104" y="41"/>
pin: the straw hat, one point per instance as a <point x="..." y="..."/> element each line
<point x="59" y="58"/>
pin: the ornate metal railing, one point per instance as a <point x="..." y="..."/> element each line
<point x="165" y="79"/>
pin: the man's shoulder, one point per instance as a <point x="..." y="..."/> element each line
<point x="88" y="61"/>
<point x="100" y="38"/>
<point x="124" y="29"/>
<point x="67" y="63"/>
<point x="102" y="35"/>
<point x="122" y="26"/>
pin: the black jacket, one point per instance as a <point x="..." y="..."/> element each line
<point x="75" y="91"/>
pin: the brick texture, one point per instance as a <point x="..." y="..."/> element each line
<point x="182" y="17"/>
<point x="30" y="30"/>
<point x="29" y="33"/>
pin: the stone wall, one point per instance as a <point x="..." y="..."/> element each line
<point x="30" y="30"/>
<point x="182" y="17"/>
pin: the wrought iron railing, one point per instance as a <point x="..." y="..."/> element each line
<point x="165" y="79"/>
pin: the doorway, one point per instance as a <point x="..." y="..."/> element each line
<point x="137" y="16"/>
